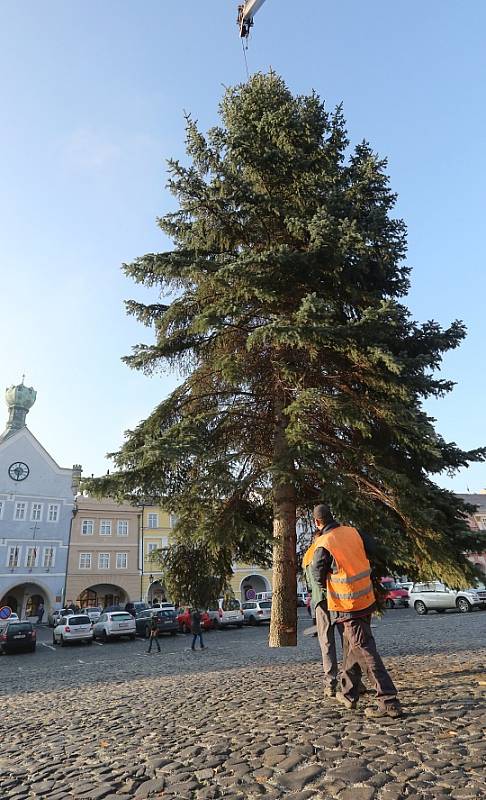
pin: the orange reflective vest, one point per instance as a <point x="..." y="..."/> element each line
<point x="309" y="555"/>
<point x="350" y="587"/>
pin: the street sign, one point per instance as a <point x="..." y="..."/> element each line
<point x="5" y="612"/>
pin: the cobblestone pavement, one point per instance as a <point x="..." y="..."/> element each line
<point x="114" y="723"/>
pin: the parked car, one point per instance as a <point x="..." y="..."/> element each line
<point x="436" y="596"/>
<point x="226" y="612"/>
<point x="396" y="595"/>
<point x="12" y="618"/>
<point x="164" y="604"/>
<point x="301" y="599"/>
<point x="183" y="616"/>
<point x="73" y="628"/>
<point x="110" y="609"/>
<point x="166" y="621"/>
<point x="263" y="595"/>
<point x="17" y="637"/>
<point x="135" y="607"/>
<point x="114" y="624"/>
<point x="93" y="613"/>
<point x="257" y="611"/>
<point x="55" y="615"/>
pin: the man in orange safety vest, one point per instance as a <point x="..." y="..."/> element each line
<point x="340" y="565"/>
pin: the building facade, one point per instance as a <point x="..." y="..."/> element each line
<point x="158" y="525"/>
<point x="104" y="554"/>
<point x="477" y="522"/>
<point x="36" y="512"/>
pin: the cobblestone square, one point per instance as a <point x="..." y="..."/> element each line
<point x="241" y="721"/>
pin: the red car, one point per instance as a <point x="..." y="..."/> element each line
<point x="184" y="620"/>
<point x="396" y="595"/>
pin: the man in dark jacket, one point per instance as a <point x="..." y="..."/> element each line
<point x="154" y="633"/>
<point x="340" y="565"/>
<point x="196" y="628"/>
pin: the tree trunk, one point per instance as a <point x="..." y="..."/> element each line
<point x="283" y="625"/>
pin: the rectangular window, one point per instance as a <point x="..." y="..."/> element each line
<point x="122" y="527"/>
<point x="153" y="520"/>
<point x="172" y="520"/>
<point x="48" y="557"/>
<point x="151" y="548"/>
<point x="36" y="512"/>
<point x="31" y="557"/>
<point x="105" y="527"/>
<point x="165" y="542"/>
<point x="121" y="560"/>
<point x="87" y="527"/>
<point x="53" y="512"/>
<point x="20" y="509"/>
<point x="1" y="508"/>
<point x="13" y="558"/>
<point x="103" y="561"/>
<point x="85" y="561"/>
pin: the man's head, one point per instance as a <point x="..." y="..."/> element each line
<point x="322" y="515"/>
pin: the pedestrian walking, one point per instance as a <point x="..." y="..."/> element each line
<point x="154" y="633"/>
<point x="40" y="612"/>
<point x="340" y="565"/>
<point x="196" y="629"/>
<point x="325" y="628"/>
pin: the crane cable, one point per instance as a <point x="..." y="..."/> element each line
<point x="246" y="60"/>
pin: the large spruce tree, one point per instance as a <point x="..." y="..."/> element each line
<point x="302" y="375"/>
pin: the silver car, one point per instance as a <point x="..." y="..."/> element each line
<point x="113" y="624"/>
<point x="436" y="596"/>
<point x="73" y="628"/>
<point x="226" y="612"/>
<point x="94" y="613"/>
<point x="257" y="611"/>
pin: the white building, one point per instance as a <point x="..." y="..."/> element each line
<point x="36" y="512"/>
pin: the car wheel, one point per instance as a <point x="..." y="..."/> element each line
<point x="32" y="649"/>
<point x="132" y="637"/>
<point x="88" y="641"/>
<point x="185" y="629"/>
<point x="239" y="624"/>
<point x="61" y="641"/>
<point x="252" y="620"/>
<point x="104" y="636"/>
<point x="173" y="633"/>
<point x="463" y="605"/>
<point x="389" y="603"/>
<point x="440" y="610"/>
<point x="420" y="608"/>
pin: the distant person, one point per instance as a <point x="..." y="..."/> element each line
<point x="196" y="629"/>
<point x="342" y="570"/>
<point x="154" y="633"/>
<point x="40" y="612"/>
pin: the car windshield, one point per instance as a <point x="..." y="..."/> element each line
<point x="231" y="605"/>
<point x="118" y="617"/>
<point x="266" y="604"/>
<point x="166" y="614"/>
<point x="91" y="610"/>
<point x="79" y="620"/>
<point x="391" y="586"/>
<point x="16" y="627"/>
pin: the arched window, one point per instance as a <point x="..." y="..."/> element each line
<point x="88" y="598"/>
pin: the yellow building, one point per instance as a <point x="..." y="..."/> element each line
<point x="156" y="531"/>
<point x="156" y="534"/>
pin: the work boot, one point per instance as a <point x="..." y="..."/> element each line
<point x="393" y="710"/>
<point x="345" y="701"/>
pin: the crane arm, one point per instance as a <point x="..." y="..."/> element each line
<point x="246" y="12"/>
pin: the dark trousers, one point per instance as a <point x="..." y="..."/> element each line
<point x="359" y="647"/>
<point x="194" y="638"/>
<point x="153" y="638"/>
<point x="327" y="642"/>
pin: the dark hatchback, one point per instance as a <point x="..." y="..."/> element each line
<point x="166" y="622"/>
<point x="18" y="637"/>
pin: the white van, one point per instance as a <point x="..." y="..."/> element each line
<point x="226" y="612"/>
<point x="263" y="595"/>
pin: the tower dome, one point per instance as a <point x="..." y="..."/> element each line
<point x="20" y="400"/>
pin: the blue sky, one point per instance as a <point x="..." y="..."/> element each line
<point x="92" y="101"/>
